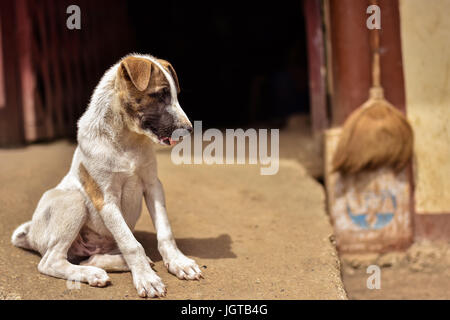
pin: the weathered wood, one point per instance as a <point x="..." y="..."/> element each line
<point x="11" y="123"/>
<point x="316" y="65"/>
<point x="2" y="78"/>
<point x="28" y="80"/>
<point x="51" y="70"/>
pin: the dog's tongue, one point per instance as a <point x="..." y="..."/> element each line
<point x="172" y="142"/>
<point x="169" y="141"/>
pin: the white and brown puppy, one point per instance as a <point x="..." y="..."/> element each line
<point x="90" y="215"/>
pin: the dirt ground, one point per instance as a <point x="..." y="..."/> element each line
<point x="421" y="272"/>
<point x="255" y="237"/>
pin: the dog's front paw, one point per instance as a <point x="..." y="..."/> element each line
<point x="97" y="277"/>
<point x="183" y="267"/>
<point x="148" y="284"/>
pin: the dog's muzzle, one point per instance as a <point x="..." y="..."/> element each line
<point x="177" y="135"/>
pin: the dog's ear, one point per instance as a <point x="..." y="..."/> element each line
<point x="139" y="70"/>
<point x="171" y="70"/>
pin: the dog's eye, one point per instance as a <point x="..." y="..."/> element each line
<point x="160" y="94"/>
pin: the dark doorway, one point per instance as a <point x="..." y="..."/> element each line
<point x="238" y="65"/>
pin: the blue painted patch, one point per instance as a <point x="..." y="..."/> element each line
<point x="383" y="218"/>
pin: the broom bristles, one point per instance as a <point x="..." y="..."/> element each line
<point x="374" y="136"/>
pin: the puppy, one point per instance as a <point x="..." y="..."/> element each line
<point x="90" y="215"/>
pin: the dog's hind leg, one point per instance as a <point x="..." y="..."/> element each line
<point x="111" y="262"/>
<point x="20" y="236"/>
<point x="66" y="213"/>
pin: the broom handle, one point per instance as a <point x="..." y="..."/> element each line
<point x="376" y="59"/>
<point x="376" y="82"/>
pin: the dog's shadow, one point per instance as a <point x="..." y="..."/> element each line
<point x="208" y="248"/>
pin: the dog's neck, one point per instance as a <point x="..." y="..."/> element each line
<point x="102" y="120"/>
<point x="96" y="122"/>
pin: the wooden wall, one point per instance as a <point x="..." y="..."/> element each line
<point x="11" y="125"/>
<point x="49" y="71"/>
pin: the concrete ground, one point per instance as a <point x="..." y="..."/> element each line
<point x="255" y="237"/>
<point x="421" y="272"/>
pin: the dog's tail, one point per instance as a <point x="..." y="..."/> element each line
<point x="20" y="236"/>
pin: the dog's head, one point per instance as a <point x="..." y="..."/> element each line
<point x="148" y="89"/>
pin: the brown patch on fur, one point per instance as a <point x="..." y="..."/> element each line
<point x="139" y="70"/>
<point x="375" y="135"/>
<point x="171" y="70"/>
<point x="91" y="187"/>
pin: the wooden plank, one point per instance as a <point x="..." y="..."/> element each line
<point x="58" y="67"/>
<point x="28" y="80"/>
<point x="37" y="94"/>
<point x="54" y="68"/>
<point x="328" y="49"/>
<point x="316" y="65"/>
<point x="2" y="78"/>
<point x="11" y="122"/>
<point x="43" y="57"/>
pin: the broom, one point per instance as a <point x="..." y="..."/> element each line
<point x="376" y="134"/>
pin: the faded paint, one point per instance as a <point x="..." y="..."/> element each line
<point x="425" y="33"/>
<point x="370" y="210"/>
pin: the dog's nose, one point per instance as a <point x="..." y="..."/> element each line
<point x="188" y="128"/>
